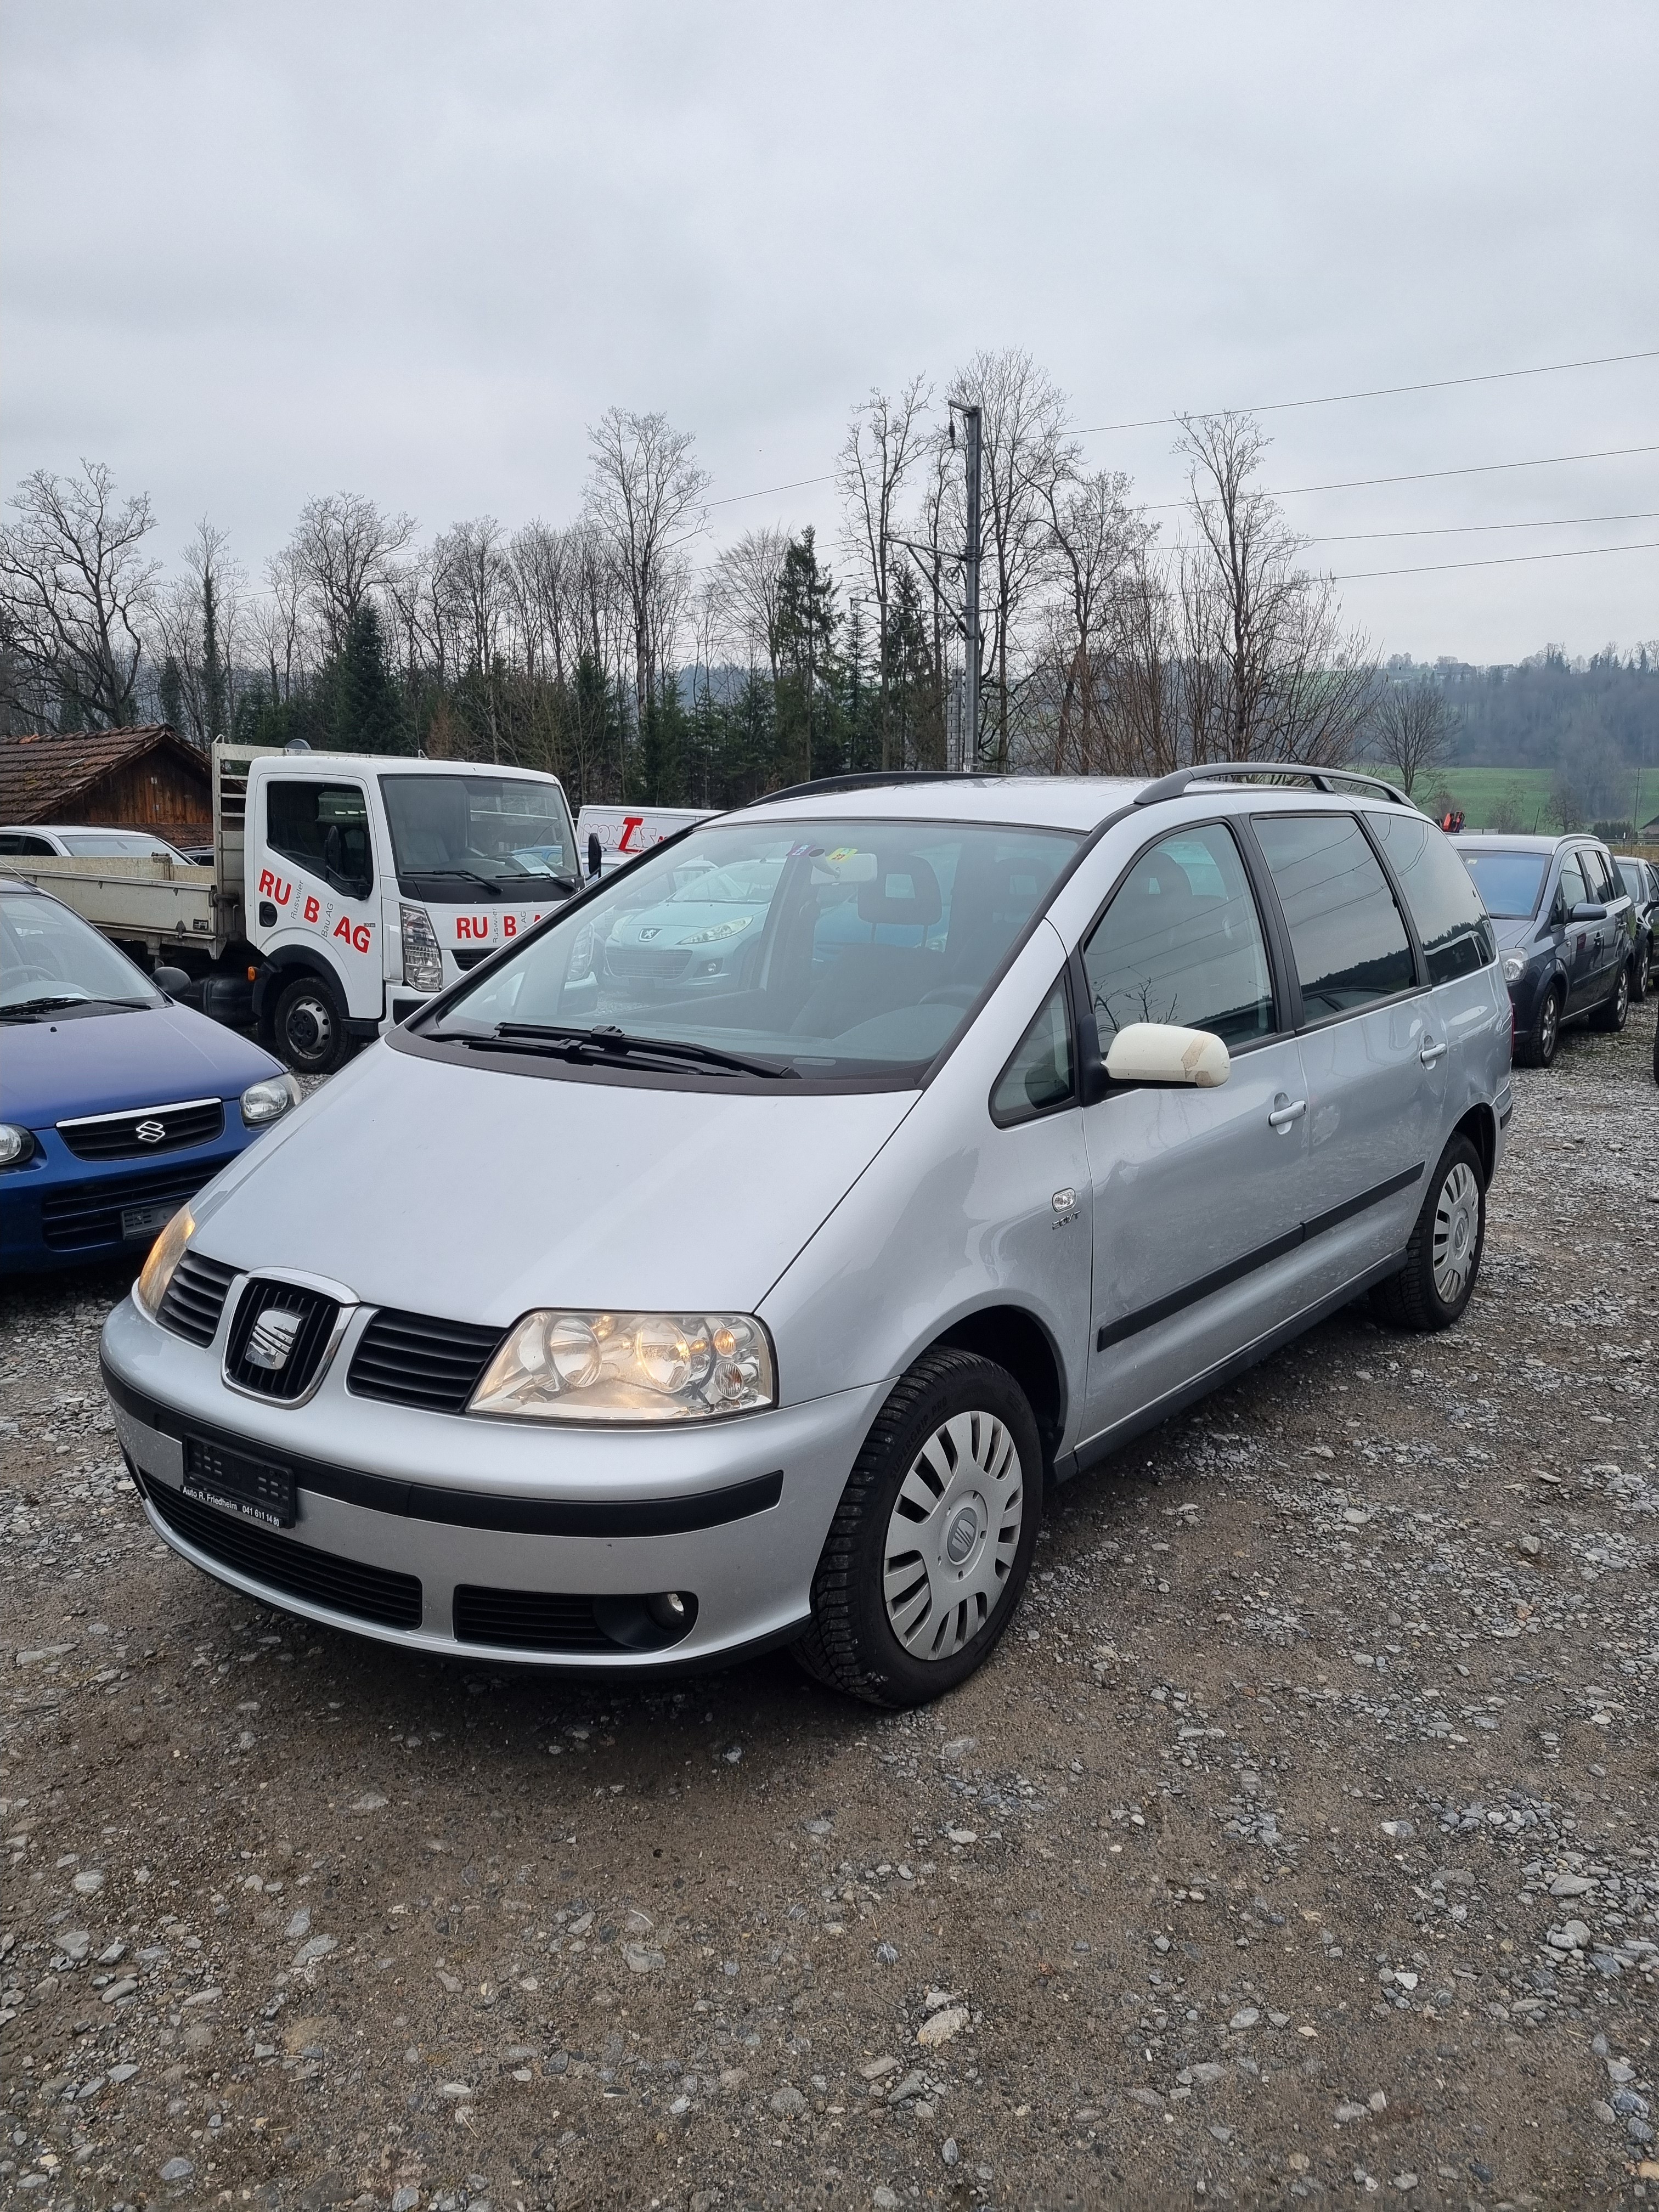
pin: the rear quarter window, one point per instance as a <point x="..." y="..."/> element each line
<point x="1451" y="921"/>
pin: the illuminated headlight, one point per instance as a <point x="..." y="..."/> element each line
<point x="1515" y="967"/>
<point x="16" y="1144"/>
<point x="423" y="958"/>
<point x="629" y="1367"/>
<point x="165" y="1254"/>
<point x="718" y="930"/>
<point x="269" y="1101"/>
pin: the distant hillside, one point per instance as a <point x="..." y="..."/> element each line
<point x="1598" y="718"/>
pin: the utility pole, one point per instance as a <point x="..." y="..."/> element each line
<point x="970" y="687"/>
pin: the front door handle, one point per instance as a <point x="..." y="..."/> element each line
<point x="1286" y="1110"/>
<point x="1432" y="1052"/>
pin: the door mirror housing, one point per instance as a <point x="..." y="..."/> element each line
<point x="1590" y="911"/>
<point x="172" y="980"/>
<point x="1163" y="1053"/>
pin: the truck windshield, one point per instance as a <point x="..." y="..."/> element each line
<point x="822" y="950"/>
<point x="464" y="839"/>
<point x="1508" y="882"/>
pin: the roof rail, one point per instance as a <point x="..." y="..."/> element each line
<point x="876" y="780"/>
<point x="1321" y="779"/>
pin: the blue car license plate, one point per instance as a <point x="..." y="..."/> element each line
<point x="145" y="1220"/>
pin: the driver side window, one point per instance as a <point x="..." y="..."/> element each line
<point x="323" y="828"/>
<point x="1571" y="892"/>
<point x="1181" y="942"/>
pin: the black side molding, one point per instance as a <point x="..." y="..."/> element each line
<point x="1147" y="1316"/>
<point x="473" y="1509"/>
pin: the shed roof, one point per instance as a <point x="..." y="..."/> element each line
<point x="42" y="775"/>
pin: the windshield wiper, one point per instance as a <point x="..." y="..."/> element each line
<point x="601" y="1044"/>
<point x="471" y="875"/>
<point x="56" y="1006"/>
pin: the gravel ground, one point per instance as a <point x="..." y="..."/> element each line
<point x="1299" y="1842"/>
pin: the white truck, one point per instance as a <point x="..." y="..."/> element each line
<point x="345" y="889"/>
<point x="620" y="833"/>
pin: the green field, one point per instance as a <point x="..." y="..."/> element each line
<point x="1522" y="795"/>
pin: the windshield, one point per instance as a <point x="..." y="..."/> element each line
<point x="1508" y="882"/>
<point x="462" y="840"/>
<point x="117" y="844"/>
<point x="51" y="958"/>
<point x="826" y="949"/>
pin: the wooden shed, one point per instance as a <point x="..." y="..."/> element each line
<point x="147" y="778"/>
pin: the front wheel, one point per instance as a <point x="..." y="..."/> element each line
<point x="933" y="1540"/>
<point x="1443" y="1256"/>
<point x="311" y="1030"/>
<point x="1615" y="1012"/>
<point x="1641" y="971"/>
<point x="1540" y="1050"/>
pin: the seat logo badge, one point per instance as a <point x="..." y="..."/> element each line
<point x="961" y="1537"/>
<point x="151" y="1133"/>
<point x="271" y="1342"/>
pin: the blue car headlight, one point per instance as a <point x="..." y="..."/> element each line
<point x="16" y="1144"/>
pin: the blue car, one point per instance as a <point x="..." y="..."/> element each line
<point x="116" y="1105"/>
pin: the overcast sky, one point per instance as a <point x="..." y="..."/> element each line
<point x="252" y="254"/>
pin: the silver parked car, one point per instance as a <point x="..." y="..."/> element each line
<point x="699" y="1323"/>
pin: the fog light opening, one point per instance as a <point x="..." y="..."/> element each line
<point x="670" y="1610"/>
<point x="646" y="1623"/>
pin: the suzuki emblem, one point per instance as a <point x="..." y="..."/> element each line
<point x="151" y="1133"/>
<point x="271" y="1339"/>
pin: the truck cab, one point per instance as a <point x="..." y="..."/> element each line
<point x="370" y="882"/>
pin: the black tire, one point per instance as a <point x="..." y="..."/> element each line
<point x="311" y="1026"/>
<point x="1539" y="1048"/>
<point x="1613" y="1014"/>
<point x="1445" y="1252"/>
<point x="1641" y="971"/>
<point x="853" y="1645"/>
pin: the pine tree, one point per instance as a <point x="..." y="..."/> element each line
<point x="170" y="693"/>
<point x="214" y="688"/>
<point x="368" y="711"/>
<point x="661" y="756"/>
<point x="808" y="731"/>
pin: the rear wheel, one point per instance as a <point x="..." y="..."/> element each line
<point x="311" y="1027"/>
<point x="933" y="1540"/>
<point x="1615" y="1012"/>
<point x="1443" y="1256"/>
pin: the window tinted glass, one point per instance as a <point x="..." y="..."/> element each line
<point x="1181" y="942"/>
<point x="323" y="828"/>
<point x="472" y="833"/>
<point x="1508" y="882"/>
<point x="13" y="841"/>
<point x="1350" y="943"/>
<point x="1573" y="890"/>
<point x="841" y="950"/>
<point x="1630" y="874"/>
<point x="1597" y="874"/>
<point x="1446" y="907"/>
<point x="1039" y="1075"/>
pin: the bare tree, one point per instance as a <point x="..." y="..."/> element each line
<point x="882" y="444"/>
<point x="198" y="619"/>
<point x="1269" y="672"/>
<point x="75" y="598"/>
<point x="1410" y="728"/>
<point x="278" y="623"/>
<point x="748" y="589"/>
<point x="343" y="548"/>
<point x="474" y="582"/>
<point x="645" y="491"/>
<point x="1094" y="538"/>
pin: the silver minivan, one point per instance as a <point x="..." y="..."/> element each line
<point x="598" y="1318"/>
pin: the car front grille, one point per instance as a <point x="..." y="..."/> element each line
<point x="155" y="1129"/>
<point x="196" y="1298"/>
<point x="527" y="1620"/>
<point x="465" y="960"/>
<point x="81" y="1217"/>
<point x="278" y="1339"/>
<point x="630" y="962"/>
<point x="348" y="1586"/>
<point x="412" y="1359"/>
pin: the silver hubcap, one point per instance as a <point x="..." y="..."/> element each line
<point x="310" y="1027"/>
<point x="1456" y="1225"/>
<point x="952" y="1536"/>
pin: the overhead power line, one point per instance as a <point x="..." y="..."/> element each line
<point x="1500" y="560"/>
<point x="1376" y="391"/>
<point x="1427" y="476"/>
<point x="1471" y="529"/>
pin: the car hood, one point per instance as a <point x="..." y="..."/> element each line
<point x="1511" y="934"/>
<point x="473" y="1195"/>
<point x="107" y="1063"/>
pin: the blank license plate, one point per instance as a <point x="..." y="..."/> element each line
<point x="145" y="1220"/>
<point x="251" y="1488"/>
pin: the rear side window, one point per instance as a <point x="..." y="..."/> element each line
<point x="1181" y="942"/>
<point x="323" y="828"/>
<point x="1039" y="1076"/>
<point x="12" y="841"/>
<point x="1349" y="944"/>
<point x="1451" y="922"/>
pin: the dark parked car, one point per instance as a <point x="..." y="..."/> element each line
<point x="1640" y="880"/>
<point x="1566" y="929"/>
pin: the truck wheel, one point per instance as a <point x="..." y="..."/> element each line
<point x="1616" y="1012"/>
<point x="933" y="1540"/>
<point x="311" y="1030"/>
<point x="1444" y="1257"/>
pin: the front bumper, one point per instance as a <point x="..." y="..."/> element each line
<point x="57" y="1211"/>
<point x="455" y="1503"/>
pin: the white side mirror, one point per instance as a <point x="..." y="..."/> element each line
<point x="1159" y="1052"/>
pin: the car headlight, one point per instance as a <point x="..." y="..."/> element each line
<point x="269" y="1101"/>
<point x="16" y="1144"/>
<point x="165" y="1254"/>
<point x="1515" y="967"/>
<point x="423" y="958"/>
<point x="718" y="930"/>
<point x="629" y="1367"/>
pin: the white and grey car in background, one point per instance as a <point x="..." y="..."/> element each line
<point x="580" y="1324"/>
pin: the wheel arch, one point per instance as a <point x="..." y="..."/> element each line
<point x="1480" y="1125"/>
<point x="1015" y="1340"/>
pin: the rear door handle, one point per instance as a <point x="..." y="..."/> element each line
<point x="1432" y="1052"/>
<point x="1282" y="1116"/>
